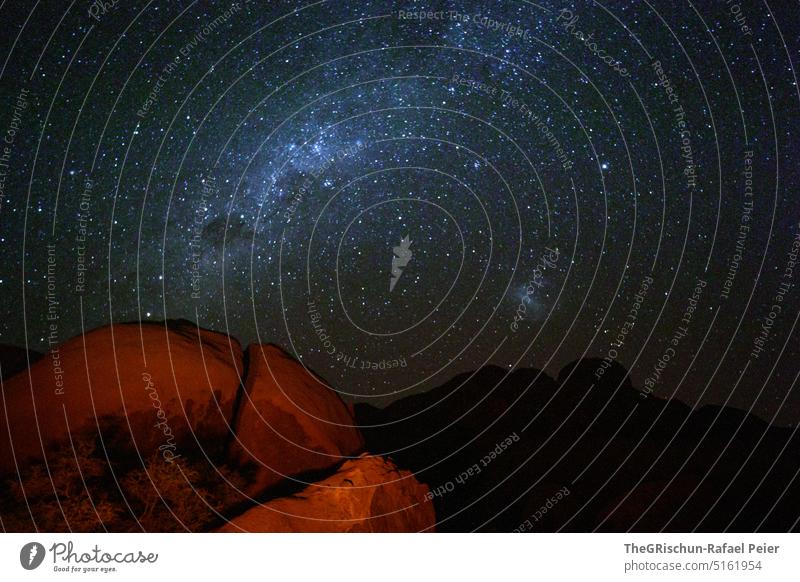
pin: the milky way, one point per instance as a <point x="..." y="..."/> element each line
<point x="611" y="180"/>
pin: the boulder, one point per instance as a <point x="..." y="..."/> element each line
<point x="289" y="422"/>
<point x="141" y="388"/>
<point x="368" y="494"/>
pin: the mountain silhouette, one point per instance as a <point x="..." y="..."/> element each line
<point x="525" y="452"/>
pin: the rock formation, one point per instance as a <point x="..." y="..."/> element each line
<point x="368" y="494"/>
<point x="167" y="427"/>
<point x="289" y="421"/>
<point x="140" y="388"/>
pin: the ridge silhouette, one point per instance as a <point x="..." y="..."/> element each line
<point x="628" y="461"/>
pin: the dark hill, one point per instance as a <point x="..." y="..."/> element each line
<point x="522" y="451"/>
<point x="14" y="359"/>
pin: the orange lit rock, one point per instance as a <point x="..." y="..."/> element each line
<point x="289" y="421"/>
<point x="368" y="494"/>
<point x="188" y="384"/>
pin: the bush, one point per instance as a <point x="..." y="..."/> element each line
<point x="78" y="490"/>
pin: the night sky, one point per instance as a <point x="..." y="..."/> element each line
<point x="397" y="192"/>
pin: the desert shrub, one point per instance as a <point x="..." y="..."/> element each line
<point x="79" y="490"/>
<point x="179" y="496"/>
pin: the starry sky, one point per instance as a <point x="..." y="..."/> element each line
<point x="579" y="179"/>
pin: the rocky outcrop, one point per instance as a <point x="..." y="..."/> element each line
<point x="167" y="427"/>
<point x="140" y="388"/>
<point x="289" y="422"/>
<point x="368" y="494"/>
<point x="14" y="360"/>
